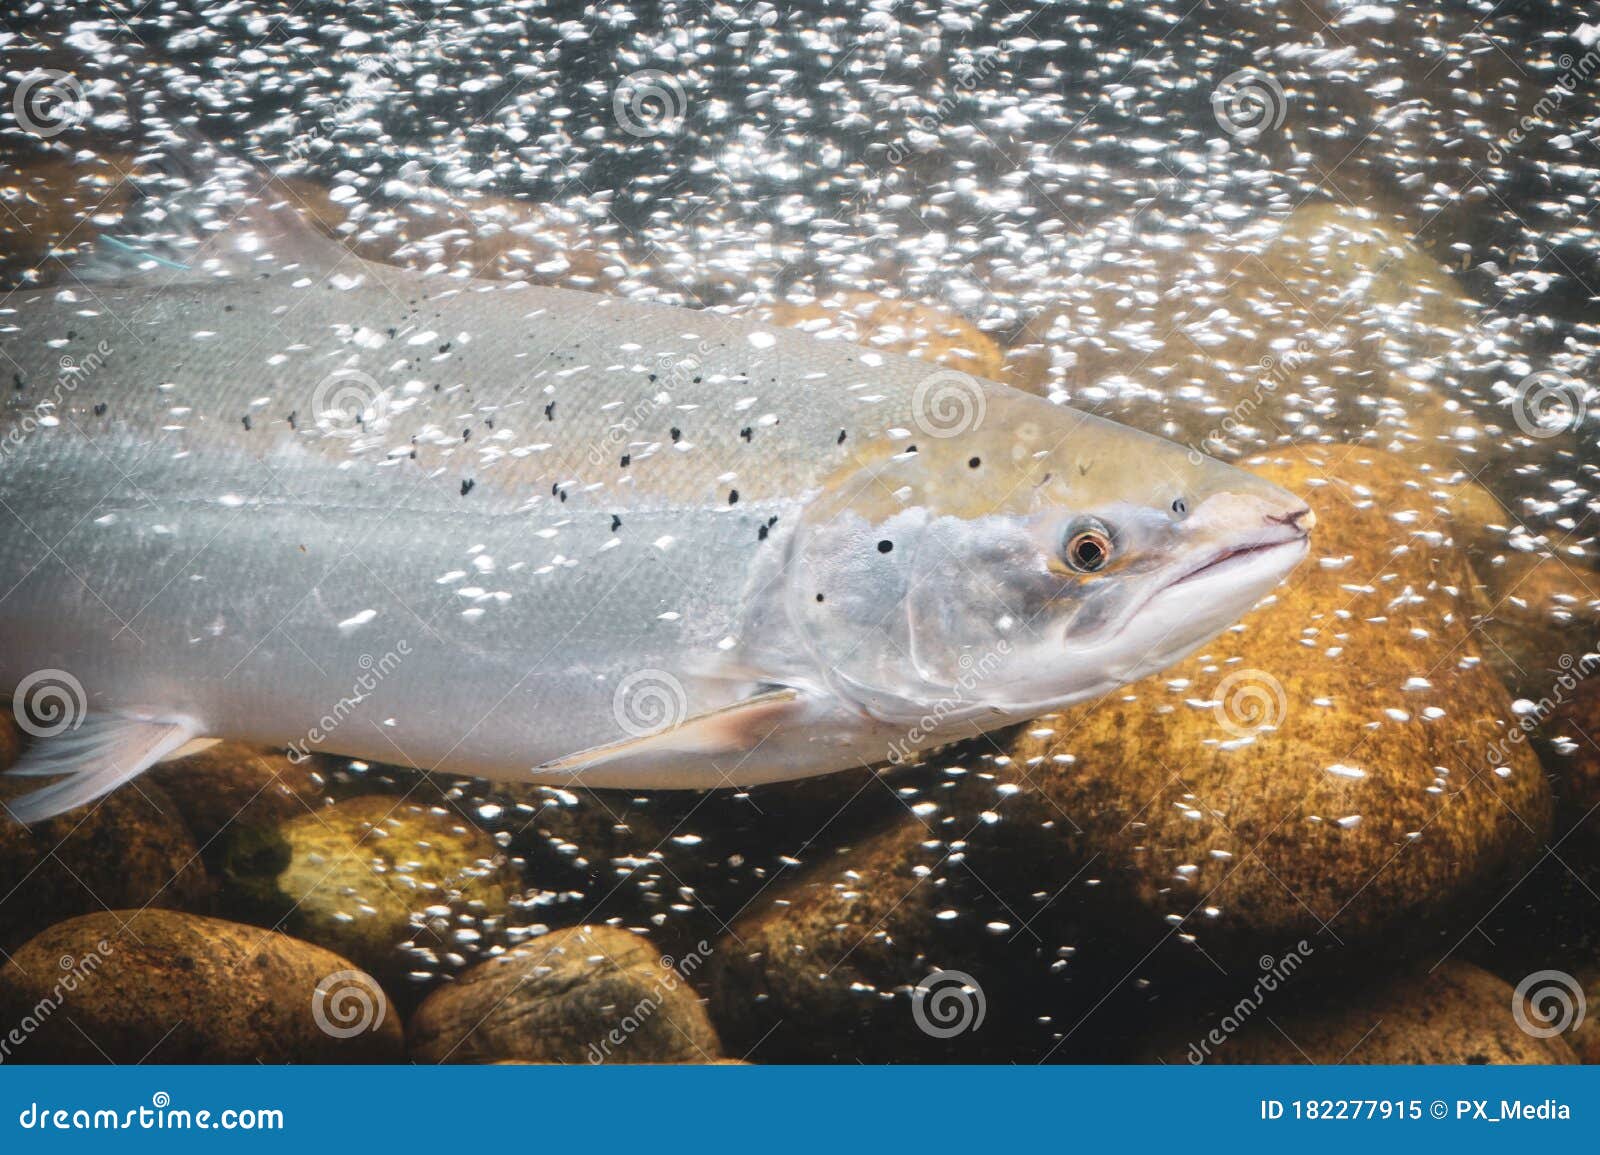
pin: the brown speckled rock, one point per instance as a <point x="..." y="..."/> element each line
<point x="391" y="884"/>
<point x="1329" y="761"/>
<point x="584" y="995"/>
<point x="161" y="987"/>
<point x="1585" y="1039"/>
<point x="233" y="782"/>
<point x="1455" y="1014"/>
<point x="10" y="739"/>
<point x="129" y="849"/>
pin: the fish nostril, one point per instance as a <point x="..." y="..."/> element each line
<point x="1304" y="519"/>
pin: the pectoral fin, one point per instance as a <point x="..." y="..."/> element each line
<point x="737" y="726"/>
<point x="103" y="752"/>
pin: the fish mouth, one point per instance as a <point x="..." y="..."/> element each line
<point x="1239" y="558"/>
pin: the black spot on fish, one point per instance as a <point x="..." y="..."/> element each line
<point x="445" y="348"/>
<point x="489" y="421"/>
<point x="676" y="433"/>
<point x="885" y="546"/>
<point x="841" y="437"/>
<point x="72" y="334"/>
<point x="1083" y="470"/>
<point x="616" y="523"/>
<point x="245" y="421"/>
<point x="466" y="435"/>
<point x="550" y="411"/>
<point x="393" y="332"/>
<point x="292" y="415"/>
<point x="974" y="462"/>
<point x="652" y="376"/>
<point x="819" y="599"/>
<point x="16" y="379"/>
<point x="626" y="458"/>
<point x="466" y="486"/>
<point x="747" y="433"/>
<point x="733" y="497"/>
<point x="100" y="409"/>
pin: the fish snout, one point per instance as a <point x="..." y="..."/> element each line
<point x="1303" y="518"/>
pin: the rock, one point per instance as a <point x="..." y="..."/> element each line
<point x="828" y="966"/>
<point x="1339" y="759"/>
<point x="11" y="740"/>
<point x="233" y="782"/>
<point x="129" y="849"/>
<point x="158" y="986"/>
<point x="587" y="994"/>
<point x="926" y="332"/>
<point x="395" y="886"/>
<point x="1455" y="1014"/>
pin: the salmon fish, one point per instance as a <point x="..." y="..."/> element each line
<point x="258" y="488"/>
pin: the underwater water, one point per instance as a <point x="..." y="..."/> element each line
<point x="1350" y="247"/>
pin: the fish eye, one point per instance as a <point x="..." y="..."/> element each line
<point x="1088" y="548"/>
<point x="1180" y="506"/>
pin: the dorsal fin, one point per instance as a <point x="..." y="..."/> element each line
<point x="203" y="214"/>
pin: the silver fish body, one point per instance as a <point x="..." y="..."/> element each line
<point x="536" y="534"/>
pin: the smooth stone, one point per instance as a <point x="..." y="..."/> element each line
<point x="163" y="987"/>
<point x="129" y="849"/>
<point x="236" y="783"/>
<point x="396" y="886"/>
<point x="586" y="994"/>
<point x="1455" y="1014"/>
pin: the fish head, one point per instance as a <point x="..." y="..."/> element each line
<point x="1046" y="557"/>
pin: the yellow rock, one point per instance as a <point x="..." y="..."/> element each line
<point x="156" y="986"/>
<point x="361" y="876"/>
